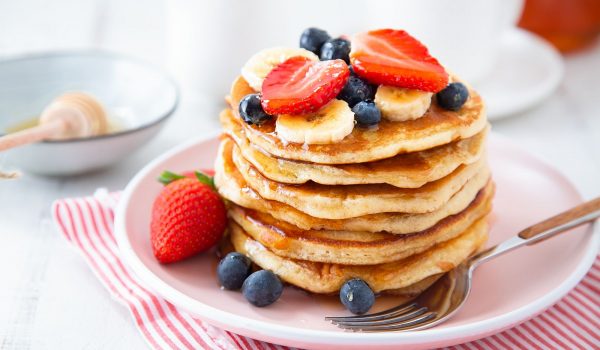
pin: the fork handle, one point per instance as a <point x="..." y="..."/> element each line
<point x="566" y="220"/>
<point x="576" y="216"/>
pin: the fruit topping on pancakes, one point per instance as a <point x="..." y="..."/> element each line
<point x="337" y="48"/>
<point x="357" y="90"/>
<point x="251" y="110"/>
<point x="400" y="104"/>
<point x="300" y="85"/>
<point x="329" y="124"/>
<point x="453" y="97"/>
<point x="262" y="63"/>
<point x="312" y="39"/>
<point x="366" y="113"/>
<point x="379" y="74"/>
<point x="393" y="57"/>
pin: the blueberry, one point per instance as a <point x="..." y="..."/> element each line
<point x="357" y="90"/>
<point x="262" y="288"/>
<point x="233" y="270"/>
<point x="366" y="113"/>
<point x="356" y="296"/>
<point x="251" y="110"/>
<point x="352" y="72"/>
<point x="453" y="96"/>
<point x="336" y="48"/>
<point x="312" y="39"/>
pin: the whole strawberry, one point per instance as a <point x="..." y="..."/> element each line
<point x="188" y="217"/>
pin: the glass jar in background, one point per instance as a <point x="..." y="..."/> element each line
<point x="568" y="24"/>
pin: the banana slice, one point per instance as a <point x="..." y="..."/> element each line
<point x="259" y="65"/>
<point x="398" y="104"/>
<point x="330" y="124"/>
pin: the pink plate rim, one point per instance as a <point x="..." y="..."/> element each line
<point x="257" y="329"/>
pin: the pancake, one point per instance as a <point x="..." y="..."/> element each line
<point x="341" y="202"/>
<point x="233" y="187"/>
<point x="328" y="278"/>
<point x="435" y="128"/>
<point x="408" y="170"/>
<point x="353" y="248"/>
<point x="400" y="295"/>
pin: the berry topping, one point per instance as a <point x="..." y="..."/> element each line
<point x="312" y="39"/>
<point x="188" y="217"/>
<point x="351" y="69"/>
<point x="262" y="288"/>
<point x="453" y="97"/>
<point x="393" y="57"/>
<point x="251" y="110"/>
<point x="366" y="113"/>
<point x="357" y="90"/>
<point x="262" y="63"/>
<point x="233" y="270"/>
<point x="356" y="296"/>
<point x="300" y="85"/>
<point x="334" y="49"/>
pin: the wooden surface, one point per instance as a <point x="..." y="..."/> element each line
<point x="49" y="299"/>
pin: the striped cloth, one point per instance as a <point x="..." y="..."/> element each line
<point x="87" y="223"/>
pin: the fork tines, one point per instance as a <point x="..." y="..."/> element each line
<point x="403" y="317"/>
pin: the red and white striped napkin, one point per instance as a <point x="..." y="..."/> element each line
<point x="87" y="223"/>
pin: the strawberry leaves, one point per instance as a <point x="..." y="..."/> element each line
<point x="168" y="177"/>
<point x="205" y="179"/>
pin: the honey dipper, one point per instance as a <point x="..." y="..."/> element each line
<point x="72" y="115"/>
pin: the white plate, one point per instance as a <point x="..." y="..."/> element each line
<point x="506" y="291"/>
<point x="527" y="71"/>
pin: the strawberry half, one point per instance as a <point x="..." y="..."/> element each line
<point x="393" y="57"/>
<point x="300" y="85"/>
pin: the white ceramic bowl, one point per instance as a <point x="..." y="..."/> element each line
<point x="139" y="96"/>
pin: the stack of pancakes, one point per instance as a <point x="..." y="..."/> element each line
<point x="396" y="205"/>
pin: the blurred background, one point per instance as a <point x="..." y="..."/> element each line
<point x="536" y="62"/>
<point x="203" y="44"/>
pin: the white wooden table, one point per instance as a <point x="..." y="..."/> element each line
<point x="50" y="300"/>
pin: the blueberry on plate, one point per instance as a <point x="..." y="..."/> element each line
<point x="251" y="110"/>
<point x="233" y="270"/>
<point x="366" y="113"/>
<point x="356" y="296"/>
<point x="312" y="39"/>
<point x="337" y="48"/>
<point x="453" y="96"/>
<point x="357" y="90"/>
<point x="262" y="288"/>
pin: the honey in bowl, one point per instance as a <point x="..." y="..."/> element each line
<point x="115" y="124"/>
<point x="26" y="124"/>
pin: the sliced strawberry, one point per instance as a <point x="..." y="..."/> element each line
<point x="300" y="85"/>
<point x="393" y="57"/>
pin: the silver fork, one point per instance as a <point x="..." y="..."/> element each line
<point x="445" y="297"/>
